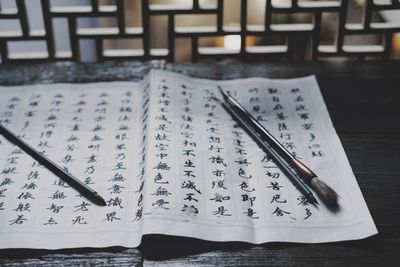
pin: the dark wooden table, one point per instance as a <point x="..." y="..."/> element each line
<point x="363" y="99"/>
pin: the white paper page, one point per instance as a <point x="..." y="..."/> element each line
<point x="205" y="178"/>
<point x="95" y="131"/>
<point x="202" y="176"/>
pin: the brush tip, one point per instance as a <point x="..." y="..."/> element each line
<point x="97" y="199"/>
<point x="325" y="193"/>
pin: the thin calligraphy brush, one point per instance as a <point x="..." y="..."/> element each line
<point x="54" y="168"/>
<point x="271" y="152"/>
<point x="324" y="191"/>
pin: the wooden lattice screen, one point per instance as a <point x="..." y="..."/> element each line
<point x="293" y="33"/>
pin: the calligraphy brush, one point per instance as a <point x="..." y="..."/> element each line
<point x="74" y="182"/>
<point x="324" y="191"/>
<point x="266" y="147"/>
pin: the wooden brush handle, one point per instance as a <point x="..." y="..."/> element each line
<point x="305" y="173"/>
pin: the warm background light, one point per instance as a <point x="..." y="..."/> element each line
<point x="232" y="42"/>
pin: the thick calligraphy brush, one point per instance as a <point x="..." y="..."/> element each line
<point x="54" y="168"/>
<point x="267" y="148"/>
<point x="324" y="191"/>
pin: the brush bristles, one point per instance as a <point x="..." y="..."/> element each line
<point x="325" y="192"/>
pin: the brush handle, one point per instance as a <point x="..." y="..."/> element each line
<point x="53" y="167"/>
<point x="272" y="141"/>
<point x="301" y="186"/>
<point x="304" y="172"/>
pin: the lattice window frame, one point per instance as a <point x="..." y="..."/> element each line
<point x="310" y="32"/>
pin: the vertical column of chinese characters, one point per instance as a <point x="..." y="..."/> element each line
<point x="47" y="136"/>
<point x="160" y="196"/>
<point x="117" y="182"/>
<point x="142" y="154"/>
<point x="221" y="204"/>
<point x="243" y="167"/>
<point x="313" y="145"/>
<point x="75" y="134"/>
<point x="190" y="183"/>
<point x="280" y="205"/>
<point x="16" y="214"/>
<point x="6" y="179"/>
<point x="43" y="145"/>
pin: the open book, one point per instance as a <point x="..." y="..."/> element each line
<point x="169" y="160"/>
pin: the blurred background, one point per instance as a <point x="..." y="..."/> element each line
<point x="202" y="22"/>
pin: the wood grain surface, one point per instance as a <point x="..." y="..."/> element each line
<point x="363" y="99"/>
